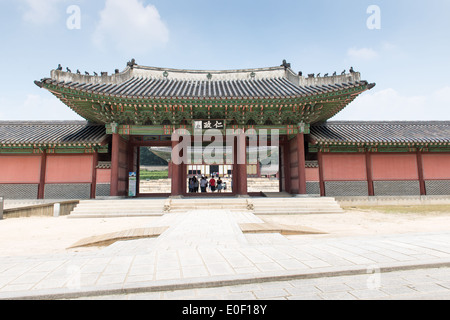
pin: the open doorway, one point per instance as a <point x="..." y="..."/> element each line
<point x="263" y="169"/>
<point x="212" y="169"/>
<point x="218" y="178"/>
<point x="154" y="170"/>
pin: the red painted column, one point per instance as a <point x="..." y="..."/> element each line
<point x="94" y="174"/>
<point x="138" y="170"/>
<point x="176" y="175"/>
<point x="41" y="188"/>
<point x="301" y="163"/>
<point x="321" y="180"/>
<point x="242" y="164"/>
<point x="369" y="174"/>
<point x="287" y="166"/>
<point x="423" y="190"/>
<point x="115" y="165"/>
<point x="183" y="167"/>
<point x="235" y="178"/>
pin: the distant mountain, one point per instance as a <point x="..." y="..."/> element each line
<point x="151" y="157"/>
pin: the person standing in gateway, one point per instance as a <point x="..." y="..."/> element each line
<point x="219" y="185"/>
<point x="212" y="183"/>
<point x="203" y="184"/>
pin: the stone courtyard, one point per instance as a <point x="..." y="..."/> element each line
<point x="206" y="248"/>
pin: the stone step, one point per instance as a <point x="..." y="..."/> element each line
<point x="295" y="205"/>
<point x="112" y="215"/>
<point x="119" y="208"/>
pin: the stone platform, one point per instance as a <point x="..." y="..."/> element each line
<point x="204" y="248"/>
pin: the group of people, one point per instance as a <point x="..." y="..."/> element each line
<point x="203" y="183"/>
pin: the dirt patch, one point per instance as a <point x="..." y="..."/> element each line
<point x="34" y="236"/>
<point x="371" y="221"/>
<point x="47" y="235"/>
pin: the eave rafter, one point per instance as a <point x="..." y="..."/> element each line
<point x="104" y="109"/>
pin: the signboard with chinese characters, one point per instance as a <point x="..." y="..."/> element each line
<point x="209" y="124"/>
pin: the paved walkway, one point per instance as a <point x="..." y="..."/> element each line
<point x="204" y="249"/>
<point x="423" y="284"/>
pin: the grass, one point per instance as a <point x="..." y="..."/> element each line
<point x="402" y="209"/>
<point x="154" y="175"/>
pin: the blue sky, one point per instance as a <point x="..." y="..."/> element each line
<point x="408" y="57"/>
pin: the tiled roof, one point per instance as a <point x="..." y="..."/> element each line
<point x="149" y="82"/>
<point x="51" y="132"/>
<point x="165" y="88"/>
<point x="381" y="132"/>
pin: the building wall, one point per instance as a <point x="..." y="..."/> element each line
<point x="312" y="181"/>
<point x="103" y="183"/>
<point x="68" y="176"/>
<point x="395" y="174"/>
<point x="20" y="176"/>
<point x="388" y="174"/>
<point x="436" y="172"/>
<point x="344" y="174"/>
<point x="64" y="176"/>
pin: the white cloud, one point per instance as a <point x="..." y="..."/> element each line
<point x="130" y="27"/>
<point x="442" y="96"/>
<point x="37" y="107"/>
<point x="362" y="54"/>
<point x="389" y="104"/>
<point x="41" y="11"/>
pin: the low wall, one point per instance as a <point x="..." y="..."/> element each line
<point x="40" y="210"/>
<point x="392" y="200"/>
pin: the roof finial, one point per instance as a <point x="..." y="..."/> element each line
<point x="132" y="63"/>
<point x="285" y="64"/>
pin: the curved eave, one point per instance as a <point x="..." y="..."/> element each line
<point x="62" y="89"/>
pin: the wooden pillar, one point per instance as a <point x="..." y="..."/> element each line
<point x="369" y="173"/>
<point x="423" y="190"/>
<point x="321" y="180"/>
<point x="235" y="177"/>
<point x="175" y="174"/>
<point x="115" y="151"/>
<point x="138" y="170"/>
<point x="242" y="164"/>
<point x="94" y="174"/>
<point x="41" y="188"/>
<point x="178" y="167"/>
<point x="280" y="171"/>
<point x="301" y="163"/>
<point x="287" y="166"/>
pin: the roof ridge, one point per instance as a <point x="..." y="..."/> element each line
<point x="387" y="122"/>
<point x="47" y="122"/>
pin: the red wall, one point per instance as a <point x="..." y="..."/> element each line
<point x="394" y="167"/>
<point x="436" y="166"/>
<point x="20" y="169"/>
<point x="312" y="174"/>
<point x="69" y="169"/>
<point x="103" y="175"/>
<point x="344" y="167"/>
